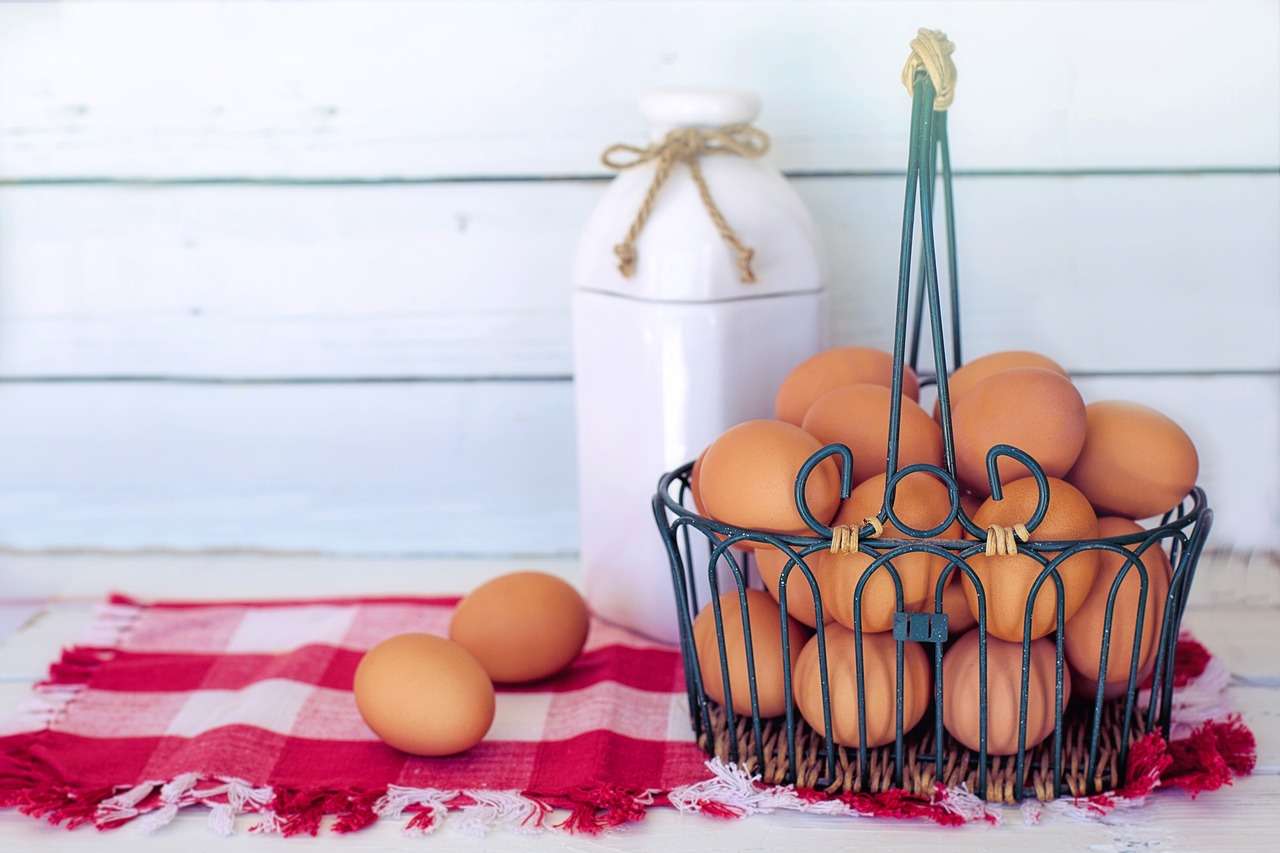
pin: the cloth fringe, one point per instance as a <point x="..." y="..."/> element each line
<point x="1210" y="749"/>
<point x="1215" y="753"/>
<point x="69" y="675"/>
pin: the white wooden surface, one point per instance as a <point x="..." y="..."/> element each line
<point x="423" y="468"/>
<point x="1108" y="273"/>
<point x="464" y="88"/>
<point x="1242" y="817"/>
<point x="308" y="262"/>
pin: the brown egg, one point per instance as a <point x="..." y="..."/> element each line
<point x="833" y="368"/>
<point x="964" y="378"/>
<point x="748" y="478"/>
<point x="961" y="685"/>
<point x="522" y="626"/>
<point x="695" y="475"/>
<point x="766" y="647"/>
<point x="956" y="605"/>
<point x="880" y="683"/>
<point x="770" y="563"/>
<point x="857" y="416"/>
<point x="1136" y="462"/>
<point x="920" y="501"/>
<point x="1082" y="639"/>
<point x="424" y="695"/>
<point x="971" y="503"/>
<point x="1007" y="580"/>
<point x="1034" y="410"/>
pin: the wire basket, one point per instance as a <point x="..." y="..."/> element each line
<point x="1088" y="749"/>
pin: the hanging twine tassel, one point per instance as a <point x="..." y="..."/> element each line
<point x="1003" y="541"/>
<point x="844" y="537"/>
<point x="687" y="145"/>
<point x="931" y="51"/>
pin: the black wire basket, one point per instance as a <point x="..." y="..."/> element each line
<point x="1088" y="749"/>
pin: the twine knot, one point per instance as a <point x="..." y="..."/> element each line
<point x="686" y="145"/>
<point x="1001" y="541"/>
<point x="844" y="537"/>
<point x="931" y="51"/>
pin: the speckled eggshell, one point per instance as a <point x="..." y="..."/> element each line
<point x="1082" y="640"/>
<point x="770" y="562"/>
<point x="1007" y="580"/>
<point x="967" y="376"/>
<point x="880" y="682"/>
<point x="1035" y="410"/>
<point x="962" y="683"/>
<point x="833" y="368"/>
<point x="857" y="416"/>
<point x="1136" y="461"/>
<point x="695" y="477"/>
<point x="954" y="602"/>
<point x="920" y="501"/>
<point x="748" y="478"/>
<point x="522" y="627"/>
<point x="956" y="605"/>
<point x="424" y="695"/>
<point x="766" y="644"/>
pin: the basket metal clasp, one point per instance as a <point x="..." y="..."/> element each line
<point x="920" y="627"/>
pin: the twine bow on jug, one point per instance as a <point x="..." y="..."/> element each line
<point x="686" y="145"/>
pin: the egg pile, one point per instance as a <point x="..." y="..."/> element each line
<point x="1109" y="465"/>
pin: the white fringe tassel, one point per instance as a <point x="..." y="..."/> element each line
<point x="111" y="624"/>
<point x="240" y="797"/>
<point x="1198" y="701"/>
<point x="398" y="798"/>
<point x="42" y="710"/>
<point x="732" y="788"/>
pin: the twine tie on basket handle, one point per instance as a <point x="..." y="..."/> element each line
<point x="1001" y="541"/>
<point x="686" y="145"/>
<point x="931" y="50"/>
<point x="844" y="537"/>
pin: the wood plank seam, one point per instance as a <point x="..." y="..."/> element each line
<point x="596" y="177"/>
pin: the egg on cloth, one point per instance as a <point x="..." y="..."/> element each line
<point x="1035" y="410"/>
<point x="522" y="627"/>
<point x="424" y="695"/>
<point x="764" y="618"/>
<point x="1082" y="639"/>
<point x="921" y="501"/>
<point x="833" y="368"/>
<point x="880" y="682"/>
<point x="1136" y="461"/>
<point x="1007" y="579"/>
<point x="964" y="378"/>
<point x="857" y="416"/>
<point x="748" y="478"/>
<point x="961" y="680"/>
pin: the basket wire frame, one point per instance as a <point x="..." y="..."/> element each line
<point x="1182" y="533"/>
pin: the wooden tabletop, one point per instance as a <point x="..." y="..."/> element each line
<point x="1235" y="611"/>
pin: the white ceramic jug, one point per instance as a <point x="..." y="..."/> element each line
<point x="668" y="358"/>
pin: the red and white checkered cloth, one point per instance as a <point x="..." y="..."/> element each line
<point x="247" y="707"/>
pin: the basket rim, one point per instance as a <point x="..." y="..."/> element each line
<point x="1173" y="521"/>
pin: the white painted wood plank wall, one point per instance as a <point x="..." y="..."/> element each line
<point x="296" y="274"/>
